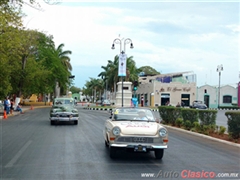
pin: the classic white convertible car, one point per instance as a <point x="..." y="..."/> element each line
<point x="135" y="129"/>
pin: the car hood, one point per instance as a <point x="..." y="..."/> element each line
<point x="63" y="109"/>
<point x="137" y="128"/>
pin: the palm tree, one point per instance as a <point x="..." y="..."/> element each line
<point x="96" y="85"/>
<point x="112" y="73"/>
<point x="133" y="71"/>
<point x="63" y="56"/>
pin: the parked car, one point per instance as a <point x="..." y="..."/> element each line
<point x="106" y="102"/>
<point x="63" y="109"/>
<point x="99" y="103"/>
<point x="135" y="129"/>
<point x="198" y="105"/>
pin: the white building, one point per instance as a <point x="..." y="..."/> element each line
<point x="209" y="95"/>
<point x="165" y="89"/>
<point x="180" y="87"/>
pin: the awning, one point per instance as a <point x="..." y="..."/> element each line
<point x="165" y="96"/>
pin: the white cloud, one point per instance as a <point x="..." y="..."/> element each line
<point x="170" y="37"/>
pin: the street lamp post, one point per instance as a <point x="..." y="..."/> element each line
<point x="219" y="69"/>
<point x="119" y="41"/>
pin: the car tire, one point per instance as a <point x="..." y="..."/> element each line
<point x="76" y="122"/>
<point x="159" y="153"/>
<point x="52" y="122"/>
<point x="113" y="152"/>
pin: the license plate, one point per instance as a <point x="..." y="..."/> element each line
<point x="140" y="148"/>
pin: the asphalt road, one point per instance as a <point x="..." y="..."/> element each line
<point x="30" y="148"/>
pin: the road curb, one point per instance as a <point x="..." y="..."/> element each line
<point x="106" y="109"/>
<point x="203" y="136"/>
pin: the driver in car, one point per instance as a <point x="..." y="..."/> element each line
<point x="141" y="116"/>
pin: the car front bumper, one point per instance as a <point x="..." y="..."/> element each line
<point x="63" y="118"/>
<point x="134" y="145"/>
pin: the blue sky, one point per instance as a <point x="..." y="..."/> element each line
<point x="168" y="36"/>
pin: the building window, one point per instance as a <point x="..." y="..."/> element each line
<point x="227" y="99"/>
<point x="205" y="91"/>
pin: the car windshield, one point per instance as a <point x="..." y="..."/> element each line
<point x="133" y="114"/>
<point x="63" y="102"/>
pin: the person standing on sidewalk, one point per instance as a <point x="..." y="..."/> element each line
<point x="7" y="105"/>
<point x="11" y="106"/>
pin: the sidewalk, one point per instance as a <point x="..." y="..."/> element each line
<point x="24" y="109"/>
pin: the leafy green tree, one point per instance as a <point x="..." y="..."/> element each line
<point x="148" y="70"/>
<point x="74" y="89"/>
<point x="10" y="23"/>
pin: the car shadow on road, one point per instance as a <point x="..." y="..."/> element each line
<point x="133" y="157"/>
<point x="63" y="124"/>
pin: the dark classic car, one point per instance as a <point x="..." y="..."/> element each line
<point x="198" y="105"/>
<point x="63" y="109"/>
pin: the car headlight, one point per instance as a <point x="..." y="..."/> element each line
<point x="116" y="131"/>
<point x="163" y="132"/>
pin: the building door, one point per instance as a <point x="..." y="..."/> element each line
<point x="165" y="98"/>
<point x="206" y="100"/>
<point x="185" y="99"/>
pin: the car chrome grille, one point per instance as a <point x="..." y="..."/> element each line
<point x="64" y="115"/>
<point x="135" y="139"/>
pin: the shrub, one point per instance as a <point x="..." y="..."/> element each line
<point x="169" y="114"/>
<point x="205" y="129"/>
<point x="212" y="128"/>
<point x="190" y="114"/>
<point x="197" y="126"/>
<point x="229" y="107"/>
<point x="222" y="130"/>
<point x="163" y="114"/>
<point x="179" y="122"/>
<point x="233" y="124"/>
<point x="188" y="124"/>
<point x="207" y="117"/>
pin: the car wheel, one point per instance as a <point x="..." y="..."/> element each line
<point x="76" y="122"/>
<point x="113" y="152"/>
<point x="52" y="122"/>
<point x="159" y="153"/>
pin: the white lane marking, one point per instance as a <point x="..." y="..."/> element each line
<point x="19" y="153"/>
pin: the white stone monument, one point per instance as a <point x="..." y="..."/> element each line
<point x="127" y="94"/>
